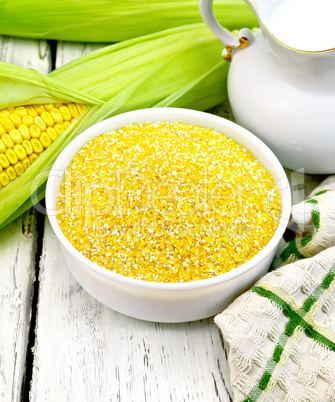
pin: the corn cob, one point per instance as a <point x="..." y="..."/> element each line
<point x="111" y="20"/>
<point x="27" y="131"/>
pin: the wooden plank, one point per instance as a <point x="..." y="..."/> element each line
<point x="27" y="53"/>
<point x="17" y="276"/>
<point x="68" y="51"/>
<point x="17" y="253"/>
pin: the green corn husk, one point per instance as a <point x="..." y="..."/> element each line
<point x="111" y="20"/>
<point x="181" y="54"/>
<point x="181" y="67"/>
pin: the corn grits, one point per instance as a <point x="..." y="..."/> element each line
<point x="167" y="202"/>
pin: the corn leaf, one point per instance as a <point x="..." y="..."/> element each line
<point x="202" y="93"/>
<point x="22" y="86"/>
<point x="111" y="20"/>
<point x="106" y="72"/>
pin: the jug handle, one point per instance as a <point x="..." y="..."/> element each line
<point x="228" y="40"/>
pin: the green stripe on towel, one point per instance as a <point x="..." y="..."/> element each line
<point x="296" y="319"/>
<point x="295" y="247"/>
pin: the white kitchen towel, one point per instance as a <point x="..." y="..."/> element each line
<point x="281" y="333"/>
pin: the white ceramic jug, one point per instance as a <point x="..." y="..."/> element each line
<point x="281" y="81"/>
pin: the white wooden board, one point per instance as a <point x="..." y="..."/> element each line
<point x="17" y="275"/>
<point x="68" y="51"/>
<point x="26" y="53"/>
<point x="17" y="253"/>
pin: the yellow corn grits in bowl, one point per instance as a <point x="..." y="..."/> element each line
<point x="167" y="202"/>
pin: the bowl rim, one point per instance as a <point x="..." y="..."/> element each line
<point x="85" y="136"/>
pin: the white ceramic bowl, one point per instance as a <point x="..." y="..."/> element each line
<point x="168" y="302"/>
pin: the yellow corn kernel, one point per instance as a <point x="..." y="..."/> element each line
<point x="37" y="146"/>
<point x="49" y="106"/>
<point x="7" y="141"/>
<point x="33" y="158"/>
<point x="31" y="111"/>
<point x="2" y="147"/>
<point x="21" y="111"/>
<point x="40" y="123"/>
<point x="56" y="115"/>
<point x="19" y="169"/>
<point x="46" y="116"/>
<point x="4" y="162"/>
<point x="26" y="163"/>
<point x="52" y="133"/>
<point x="65" y="112"/>
<point x="2" y="129"/>
<point x="27" y="146"/>
<point x="11" y="173"/>
<point x="4" y="179"/>
<point x="7" y="123"/>
<point x="35" y="131"/>
<point x="4" y="113"/>
<point x="45" y="140"/>
<point x="24" y="131"/>
<point x="66" y="124"/>
<point x="16" y="119"/>
<point x="73" y="109"/>
<point x="39" y="108"/>
<point x="80" y="107"/>
<point x="16" y="136"/>
<point x="58" y="105"/>
<point x="20" y="152"/>
<point x="11" y="156"/>
<point x="28" y="120"/>
<point x="59" y="128"/>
